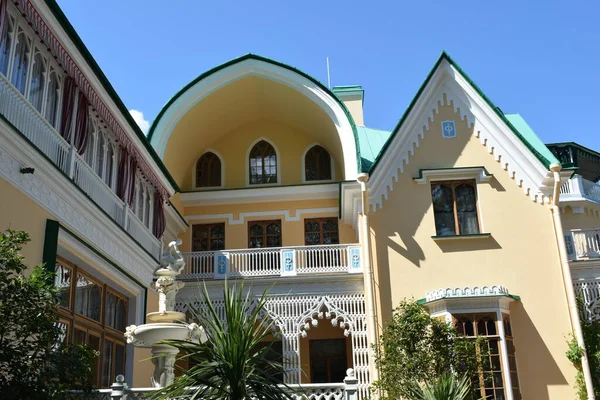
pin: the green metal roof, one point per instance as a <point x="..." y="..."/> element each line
<point x="529" y="135"/>
<point x="371" y="142"/>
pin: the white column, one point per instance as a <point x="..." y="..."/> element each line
<point x="504" y="352"/>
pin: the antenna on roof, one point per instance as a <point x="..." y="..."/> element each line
<point x="328" y="76"/>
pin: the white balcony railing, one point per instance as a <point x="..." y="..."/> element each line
<point x="580" y="188"/>
<point x="25" y="118"/>
<point x="583" y="244"/>
<point x="275" y="261"/>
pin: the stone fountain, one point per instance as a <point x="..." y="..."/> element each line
<point x="166" y="323"/>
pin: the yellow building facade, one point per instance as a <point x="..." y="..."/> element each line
<point x="268" y="176"/>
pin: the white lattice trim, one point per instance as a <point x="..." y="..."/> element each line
<point x="475" y="291"/>
<point x="447" y="87"/>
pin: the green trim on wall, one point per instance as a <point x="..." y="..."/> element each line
<point x="50" y="245"/>
<point x="510" y="296"/>
<point x="445" y="56"/>
<point x="81" y="47"/>
<point x="267" y="60"/>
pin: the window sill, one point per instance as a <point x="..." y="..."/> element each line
<point x="472" y="236"/>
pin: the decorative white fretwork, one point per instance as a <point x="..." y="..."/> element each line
<point x="475" y="291"/>
<point x="295" y="315"/>
<point x="589" y="292"/>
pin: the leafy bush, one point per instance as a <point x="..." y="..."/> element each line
<point x="33" y="362"/>
<point x="416" y="348"/>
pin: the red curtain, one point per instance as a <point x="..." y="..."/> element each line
<point x="82" y="125"/>
<point x="158" y="227"/>
<point x="68" y="105"/>
<point x="122" y="174"/>
<point x="3" y="19"/>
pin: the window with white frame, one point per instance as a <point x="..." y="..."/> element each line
<point x="5" y="48"/>
<point x="20" y="61"/>
<point x="37" y="81"/>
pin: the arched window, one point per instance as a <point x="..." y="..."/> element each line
<point x="5" y="43"/>
<point x="20" y="63"/>
<point x="101" y="145"/>
<point x="108" y="174"/>
<point x="317" y="164"/>
<point x="52" y="99"/>
<point x="36" y="86"/>
<point x="263" y="164"/>
<point x="208" y="170"/>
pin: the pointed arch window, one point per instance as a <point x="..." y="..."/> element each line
<point x="20" y="63"/>
<point x="317" y="164"/>
<point x="52" y="99"/>
<point x="5" y="44"/>
<point x="263" y="164"/>
<point x="36" y="85"/>
<point x="208" y="170"/>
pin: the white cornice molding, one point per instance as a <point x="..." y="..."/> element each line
<point x="50" y="189"/>
<point x="476" y="291"/>
<point x="448" y="87"/>
<point x="286" y="214"/>
<point x="351" y="203"/>
<point x="263" y="194"/>
<point x="480" y="174"/>
<point x="264" y="70"/>
<point x="80" y="61"/>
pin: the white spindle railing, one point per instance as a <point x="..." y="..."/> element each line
<point x="19" y="112"/>
<point x="580" y="188"/>
<point x="25" y="118"/>
<point x="142" y="234"/>
<point x="87" y="179"/>
<point x="274" y="261"/>
<point x="583" y="244"/>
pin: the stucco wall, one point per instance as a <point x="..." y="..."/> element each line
<point x="19" y="212"/>
<point x="585" y="218"/>
<point x="521" y="254"/>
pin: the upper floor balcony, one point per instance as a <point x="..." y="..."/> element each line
<point x="25" y="117"/>
<point x="274" y="261"/>
<point x="579" y="188"/>
<point x="583" y="244"/>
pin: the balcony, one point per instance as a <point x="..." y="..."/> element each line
<point x="274" y="261"/>
<point x="578" y="188"/>
<point x="15" y="108"/>
<point x="583" y="244"/>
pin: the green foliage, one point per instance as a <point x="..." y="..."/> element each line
<point x="33" y="365"/>
<point x="231" y="364"/>
<point x="416" y="348"/>
<point x="591" y="338"/>
<point x="445" y="387"/>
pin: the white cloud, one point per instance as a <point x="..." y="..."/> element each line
<point x="138" y="117"/>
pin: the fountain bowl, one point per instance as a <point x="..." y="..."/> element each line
<point x="148" y="335"/>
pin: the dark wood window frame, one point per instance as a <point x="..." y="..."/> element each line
<point x="90" y="327"/>
<point x="210" y="238"/>
<point x="487" y="379"/>
<point x="261" y="153"/>
<point x="208" y="171"/>
<point x="322" y="232"/>
<point x="265" y="235"/>
<point x="317" y="164"/>
<point x="453" y="185"/>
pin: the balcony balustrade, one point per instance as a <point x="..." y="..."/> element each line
<point x="17" y="110"/>
<point x="583" y="244"/>
<point x="274" y="261"/>
<point x="578" y="188"/>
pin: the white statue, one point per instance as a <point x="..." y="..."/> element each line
<point x="171" y="258"/>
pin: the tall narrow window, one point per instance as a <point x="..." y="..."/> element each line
<point x="100" y="148"/>
<point x="52" y="99"/>
<point x="263" y="164"/>
<point x="5" y="50"/>
<point x="20" y="63"/>
<point x="455" y="208"/>
<point x="91" y="148"/>
<point x="317" y="164"/>
<point x="108" y="174"/>
<point x="208" y="170"/>
<point x="489" y="381"/>
<point x="36" y="85"/>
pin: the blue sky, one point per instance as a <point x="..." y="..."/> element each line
<point x="538" y="58"/>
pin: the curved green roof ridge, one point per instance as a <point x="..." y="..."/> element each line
<point x="270" y="61"/>
<point x="528" y="138"/>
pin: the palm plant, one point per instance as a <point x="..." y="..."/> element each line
<point x="233" y="363"/>
<point x="445" y="387"/>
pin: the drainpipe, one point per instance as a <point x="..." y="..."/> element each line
<point x="568" y="281"/>
<point x="368" y="275"/>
